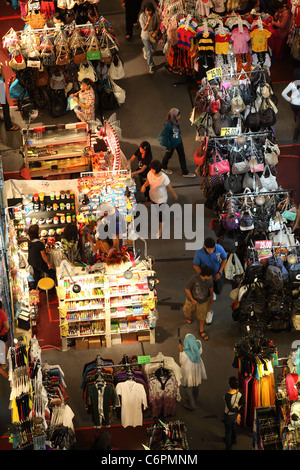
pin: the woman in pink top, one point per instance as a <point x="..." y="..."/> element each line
<point x="280" y="30"/>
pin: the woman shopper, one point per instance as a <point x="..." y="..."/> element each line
<point x="85" y="111"/>
<point x="192" y="369"/>
<point x="142" y="158"/>
<point x="292" y="94"/>
<point x="150" y="23"/>
<point x="9" y="126"/>
<point x="280" y="29"/>
<point x="37" y="256"/>
<point x="159" y="186"/>
<point x="172" y="140"/>
<point x="234" y="405"/>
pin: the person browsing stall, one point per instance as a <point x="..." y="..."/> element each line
<point x="214" y="255"/>
<point x="150" y="23"/>
<point x="37" y="256"/>
<point x="234" y="406"/>
<point x="85" y="97"/>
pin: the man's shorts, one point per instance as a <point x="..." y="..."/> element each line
<point x="189" y="309"/>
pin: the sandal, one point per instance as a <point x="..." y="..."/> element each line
<point x="14" y="128"/>
<point x="203" y="335"/>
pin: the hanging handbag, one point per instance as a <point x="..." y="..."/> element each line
<point x="233" y="183"/>
<point x="86" y="70"/>
<point x="119" y="93"/>
<point x="252" y="120"/>
<point x="219" y="166"/>
<point x="79" y="56"/>
<point x="237" y="103"/>
<point x="240" y="168"/>
<point x="271" y="153"/>
<point x="116" y="70"/>
<point x="200" y="154"/>
<point x="246" y="220"/>
<point x="255" y="167"/>
<point x="17" y="62"/>
<point x="268" y="181"/>
<point x="251" y="181"/>
<point x="233" y="267"/>
<point x="42" y="78"/>
<point x="63" y="55"/>
<point x="231" y="221"/>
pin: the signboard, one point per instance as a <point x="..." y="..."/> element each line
<point x="214" y="73"/>
<point x="225" y="131"/>
<point x="144" y="359"/>
<point x="264" y="249"/>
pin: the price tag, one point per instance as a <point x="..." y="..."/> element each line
<point x="144" y="359"/>
<point x="229" y="131"/>
<point x="214" y="73"/>
<point x="264" y="249"/>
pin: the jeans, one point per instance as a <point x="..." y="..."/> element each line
<point x="132" y="9"/>
<point x="191" y="394"/>
<point x="149" y="49"/>
<point x="230" y="430"/>
<point x="296" y="111"/>
<point x="6" y="116"/>
<point x="181" y="154"/>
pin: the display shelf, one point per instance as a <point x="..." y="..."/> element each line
<point x="56" y="150"/>
<point x="122" y="321"/>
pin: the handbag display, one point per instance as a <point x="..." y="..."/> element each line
<point x="86" y="70"/>
<point x="240" y="168"/>
<point x="251" y="181"/>
<point x="17" y="61"/>
<point x="246" y="220"/>
<point x="271" y="153"/>
<point x="119" y="93"/>
<point x="233" y="183"/>
<point x="219" y="165"/>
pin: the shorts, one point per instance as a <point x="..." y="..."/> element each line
<point x="189" y="309"/>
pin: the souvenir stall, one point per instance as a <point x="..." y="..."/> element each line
<point x="50" y="63"/>
<point x="40" y="415"/>
<point x="126" y="393"/>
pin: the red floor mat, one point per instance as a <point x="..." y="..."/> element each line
<point x="47" y="328"/>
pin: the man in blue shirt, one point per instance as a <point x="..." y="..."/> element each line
<point x="214" y="255"/>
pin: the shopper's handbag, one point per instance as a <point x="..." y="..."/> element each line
<point x="162" y="137"/>
<point x="209" y="317"/>
<point x="219" y="165"/>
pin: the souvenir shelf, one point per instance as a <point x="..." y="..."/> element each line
<point x="54" y="150"/>
<point x="108" y="307"/>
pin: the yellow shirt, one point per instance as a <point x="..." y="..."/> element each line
<point x="260" y="40"/>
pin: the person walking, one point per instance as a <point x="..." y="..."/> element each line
<point x="214" y="255"/>
<point x="234" y="406"/>
<point x="199" y="292"/>
<point x="291" y="93"/>
<point x="132" y="9"/>
<point x="159" y="187"/>
<point x="149" y="21"/>
<point x="172" y="140"/>
<point x="192" y="369"/>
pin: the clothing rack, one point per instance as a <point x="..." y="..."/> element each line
<point x="246" y="134"/>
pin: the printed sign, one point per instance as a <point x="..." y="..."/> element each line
<point x="264" y="249"/>
<point x="225" y="131"/>
<point x="144" y="359"/>
<point x="214" y="73"/>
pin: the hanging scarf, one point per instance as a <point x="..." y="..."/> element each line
<point x="191" y="347"/>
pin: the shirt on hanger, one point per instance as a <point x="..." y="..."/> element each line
<point x="260" y="40"/>
<point x="240" y="40"/>
<point x="222" y="43"/>
<point x="133" y="398"/>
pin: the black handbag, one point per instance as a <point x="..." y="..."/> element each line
<point x="294" y="273"/>
<point x="248" y="94"/>
<point x="234" y="183"/>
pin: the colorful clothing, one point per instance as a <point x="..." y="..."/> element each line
<point x="260" y="40"/>
<point x="88" y="97"/>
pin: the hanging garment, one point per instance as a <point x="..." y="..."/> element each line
<point x="260" y="40"/>
<point x="133" y="401"/>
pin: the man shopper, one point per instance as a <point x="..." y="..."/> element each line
<point x="213" y="255"/>
<point x="199" y="291"/>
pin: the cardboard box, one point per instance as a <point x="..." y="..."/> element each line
<point x="82" y="343"/>
<point x="103" y="341"/>
<point x="94" y="343"/>
<point x="143" y="336"/>
<point x="128" y="337"/>
<point x="116" y="339"/>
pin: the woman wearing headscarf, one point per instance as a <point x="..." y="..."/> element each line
<point x="172" y="140"/>
<point x="192" y="369"/>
